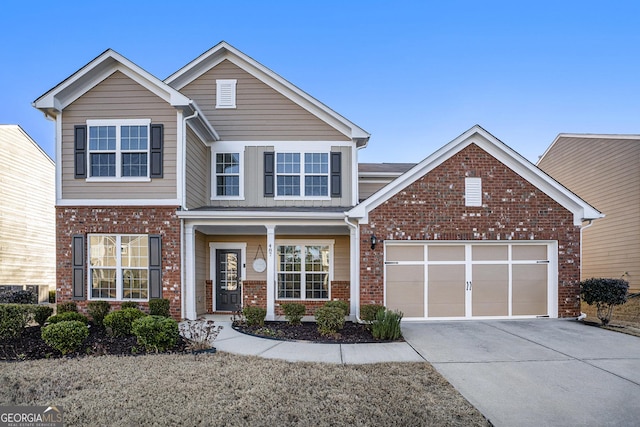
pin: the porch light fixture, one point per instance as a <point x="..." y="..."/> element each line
<point x="374" y="240"/>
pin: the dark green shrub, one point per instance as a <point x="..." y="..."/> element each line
<point x="98" y="310"/>
<point x="387" y="325"/>
<point x="68" y="316"/>
<point x="128" y="304"/>
<point x="254" y="315"/>
<point x="159" y="307"/>
<point x="118" y="323"/>
<point x="329" y="319"/>
<point x="605" y="294"/>
<point x="293" y="312"/>
<point x="13" y="319"/>
<point x="157" y="333"/>
<point x="19" y="296"/>
<point x="65" y="336"/>
<point x="342" y="305"/>
<point x="41" y="313"/>
<point x="52" y="297"/>
<point x="368" y="312"/>
<point x="64" y="307"/>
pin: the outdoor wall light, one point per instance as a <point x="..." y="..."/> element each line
<point x="374" y="240"/>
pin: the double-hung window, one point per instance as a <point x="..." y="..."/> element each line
<point x="228" y="175"/>
<point x="302" y="174"/>
<point x="118" y="149"/>
<point x="304" y="270"/>
<point x="119" y="266"/>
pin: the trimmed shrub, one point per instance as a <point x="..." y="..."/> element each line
<point x="68" y="316"/>
<point x="387" y="325"/>
<point x="159" y="307"/>
<point x="128" y="304"/>
<point x="157" y="333"/>
<point x="368" y="312"/>
<point x="65" y="336"/>
<point x="254" y="315"/>
<point x="605" y="294"/>
<point x="293" y="312"/>
<point x="98" y="310"/>
<point x="52" y="297"/>
<point x="19" y="296"/>
<point x="343" y="305"/>
<point x="330" y="320"/>
<point x="66" y="306"/>
<point x="13" y="319"/>
<point x="41" y="313"/>
<point x="118" y="323"/>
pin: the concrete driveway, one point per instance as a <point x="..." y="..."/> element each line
<point x="542" y="372"/>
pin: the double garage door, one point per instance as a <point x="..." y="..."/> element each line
<point x="471" y="280"/>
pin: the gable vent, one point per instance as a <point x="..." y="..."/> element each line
<point x="473" y="191"/>
<point x="226" y="93"/>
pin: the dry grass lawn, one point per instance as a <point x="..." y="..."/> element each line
<point x="224" y="389"/>
<point x="625" y="318"/>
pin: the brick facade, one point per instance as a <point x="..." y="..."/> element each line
<point x="120" y="220"/>
<point x="433" y="208"/>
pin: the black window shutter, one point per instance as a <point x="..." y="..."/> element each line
<point x="80" y="150"/>
<point x="269" y="175"/>
<point x="336" y="174"/>
<point x="155" y="266"/>
<point x="157" y="141"/>
<point x="77" y="265"/>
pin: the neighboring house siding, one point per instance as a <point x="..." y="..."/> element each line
<point x="605" y="172"/>
<point x="119" y="97"/>
<point x="433" y="208"/>
<point x="27" y="213"/>
<point x="261" y="113"/>
<point x="197" y="173"/>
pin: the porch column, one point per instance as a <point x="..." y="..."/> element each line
<point x="271" y="271"/>
<point x="189" y="273"/>
<point x="354" y="266"/>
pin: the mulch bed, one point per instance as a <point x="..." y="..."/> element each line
<point x="30" y="346"/>
<point x="352" y="333"/>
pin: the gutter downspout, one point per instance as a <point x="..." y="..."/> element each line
<point x="583" y="315"/>
<point x="355" y="270"/>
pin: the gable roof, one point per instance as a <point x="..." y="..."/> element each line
<point x="477" y="135"/>
<point x="224" y="51"/>
<point x="578" y="137"/>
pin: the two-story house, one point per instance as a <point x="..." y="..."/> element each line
<point x="225" y="186"/>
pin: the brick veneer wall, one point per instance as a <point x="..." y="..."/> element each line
<point x="433" y="208"/>
<point x="120" y="220"/>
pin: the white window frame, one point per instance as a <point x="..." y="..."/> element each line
<point x="302" y="174"/>
<point x="226" y="87"/>
<point x="118" y="268"/>
<point x="472" y="191"/>
<point x="214" y="175"/>
<point x="118" y="123"/>
<point x="303" y="289"/>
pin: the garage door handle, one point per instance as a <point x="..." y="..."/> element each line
<point x="468" y="288"/>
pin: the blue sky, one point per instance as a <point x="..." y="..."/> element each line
<point x="415" y="74"/>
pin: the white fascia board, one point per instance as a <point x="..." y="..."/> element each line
<point x="251" y="214"/>
<point x="118" y="202"/>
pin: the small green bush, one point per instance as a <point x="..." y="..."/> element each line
<point x="66" y="306"/>
<point x="293" y="312"/>
<point x="52" y="297"/>
<point x="342" y="305"/>
<point x="605" y="294"/>
<point x="68" y="316"/>
<point x="128" y="304"/>
<point x="65" y="336"/>
<point x="157" y="333"/>
<point x="41" y="313"/>
<point x="329" y="319"/>
<point x="19" y="296"/>
<point x="98" y="310"/>
<point x="118" y="323"/>
<point x="159" y="307"/>
<point x="13" y="319"/>
<point x="387" y="325"/>
<point x="254" y="315"/>
<point x="368" y="312"/>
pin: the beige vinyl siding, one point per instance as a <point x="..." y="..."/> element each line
<point x="606" y="173"/>
<point x="197" y="173"/>
<point x="367" y="187"/>
<point x="119" y="97"/>
<point x="261" y="112"/>
<point x="254" y="183"/>
<point x="27" y="213"/>
<point x="202" y="271"/>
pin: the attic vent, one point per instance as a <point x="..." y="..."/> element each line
<point x="473" y="191"/>
<point x="226" y="93"/>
